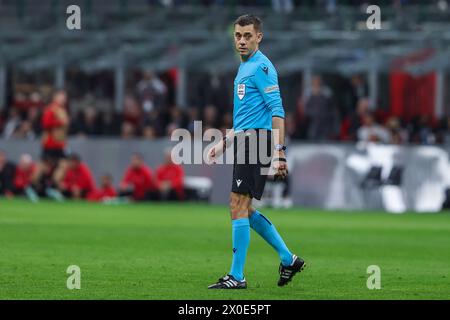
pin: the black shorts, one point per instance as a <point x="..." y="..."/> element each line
<point x="53" y="154"/>
<point x="252" y="158"/>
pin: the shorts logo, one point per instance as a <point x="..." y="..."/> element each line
<point x="238" y="182"/>
<point x="241" y="91"/>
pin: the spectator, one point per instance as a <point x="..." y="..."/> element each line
<point x="7" y="173"/>
<point x="444" y="132"/>
<point x="3" y="118"/>
<point x="177" y="117"/>
<point x="227" y="122"/>
<point x="170" y="179"/>
<point x="128" y="131"/>
<point x="110" y="124"/>
<point x="177" y="120"/>
<point x="34" y="118"/>
<point x="396" y="138"/>
<point x="43" y="178"/>
<point x="149" y="133"/>
<point x="397" y="134"/>
<point x="290" y="125"/>
<point x="371" y="131"/>
<point x="25" y="104"/>
<point x="12" y="124"/>
<point x="36" y="102"/>
<point x="138" y="181"/>
<point x="213" y="92"/>
<point x="20" y="102"/>
<point x="55" y="122"/>
<point x="210" y="117"/>
<point x="170" y="129"/>
<point x="132" y="112"/>
<point x="24" y="131"/>
<point x="154" y="119"/>
<point x="193" y="115"/>
<point x="420" y="130"/>
<point x="74" y="178"/>
<point x="151" y="91"/>
<point x="358" y="90"/>
<point x="299" y="128"/>
<point x="425" y="131"/>
<point x="210" y="120"/>
<point x="25" y="171"/>
<point x="106" y="186"/>
<point x="106" y="190"/>
<point x="351" y="124"/>
<point x="321" y="112"/>
<point x="87" y="124"/>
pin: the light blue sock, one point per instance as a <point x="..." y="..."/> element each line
<point x="267" y="230"/>
<point x="241" y="240"/>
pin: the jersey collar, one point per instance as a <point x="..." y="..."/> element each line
<point x="257" y="53"/>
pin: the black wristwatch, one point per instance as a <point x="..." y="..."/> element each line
<point x="280" y="147"/>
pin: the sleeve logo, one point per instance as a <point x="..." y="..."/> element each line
<point x="271" y="89"/>
<point x="241" y="91"/>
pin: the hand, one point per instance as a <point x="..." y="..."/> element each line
<point x="214" y="152"/>
<point x="165" y="186"/>
<point x="76" y="192"/>
<point x="126" y="188"/>
<point x="280" y="167"/>
<point x="9" y="195"/>
<point x="62" y="115"/>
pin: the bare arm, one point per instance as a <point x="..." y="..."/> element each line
<point x="220" y="147"/>
<point x="278" y="132"/>
<point x="59" y="174"/>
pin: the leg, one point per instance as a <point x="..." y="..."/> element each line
<point x="153" y="195"/>
<point x="239" y="209"/>
<point x="290" y="263"/>
<point x="268" y="232"/>
<point x="125" y="193"/>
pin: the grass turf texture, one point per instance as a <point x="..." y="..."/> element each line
<point x="170" y="251"/>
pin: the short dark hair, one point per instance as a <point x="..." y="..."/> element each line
<point x="248" y="19"/>
<point x="57" y="91"/>
<point x="138" y="155"/>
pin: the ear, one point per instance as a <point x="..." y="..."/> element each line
<point x="259" y="37"/>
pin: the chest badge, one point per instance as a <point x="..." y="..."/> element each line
<point x="241" y="91"/>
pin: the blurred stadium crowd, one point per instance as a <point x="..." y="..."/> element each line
<point x="71" y="178"/>
<point x="59" y="174"/>
<point x="319" y="115"/>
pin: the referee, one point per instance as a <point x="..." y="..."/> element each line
<point x="258" y="117"/>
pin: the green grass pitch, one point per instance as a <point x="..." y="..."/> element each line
<point x="174" y="251"/>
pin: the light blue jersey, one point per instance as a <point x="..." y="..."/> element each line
<point x="256" y="94"/>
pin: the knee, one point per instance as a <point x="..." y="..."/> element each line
<point x="239" y="206"/>
<point x="234" y="203"/>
